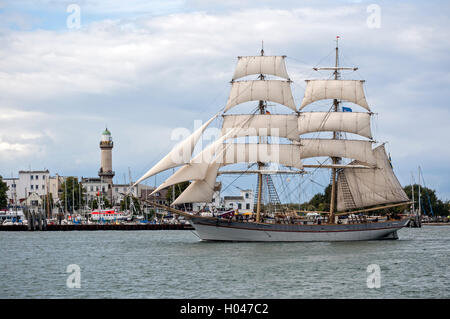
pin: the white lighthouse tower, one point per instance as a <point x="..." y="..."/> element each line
<point x="106" y="173"/>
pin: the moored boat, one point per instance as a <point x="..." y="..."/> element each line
<point x="109" y="215"/>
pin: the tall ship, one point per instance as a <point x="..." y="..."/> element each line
<point x="268" y="145"/>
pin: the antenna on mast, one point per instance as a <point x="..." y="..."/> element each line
<point x="336" y="73"/>
<point x="262" y="47"/>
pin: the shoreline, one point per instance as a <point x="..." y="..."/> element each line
<point x="93" y="227"/>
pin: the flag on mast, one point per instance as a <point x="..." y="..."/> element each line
<point x="346" y="109"/>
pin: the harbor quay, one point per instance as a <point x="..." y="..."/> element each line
<point x="92" y="227"/>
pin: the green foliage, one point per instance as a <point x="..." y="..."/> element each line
<point x="319" y="202"/>
<point x="428" y="196"/>
<point x="151" y="214"/>
<point x="3" y="196"/>
<point x="179" y="188"/>
<point x="125" y="204"/>
<point x="73" y="194"/>
<point x="94" y="203"/>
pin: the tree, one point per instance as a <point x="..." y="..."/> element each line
<point x="151" y="214"/>
<point x="3" y="197"/>
<point x="93" y="203"/>
<point x="72" y="193"/>
<point x="319" y="202"/>
<point x="179" y="188"/>
<point x="429" y="201"/>
<point x="125" y="203"/>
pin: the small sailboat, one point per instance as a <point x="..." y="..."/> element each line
<point x="364" y="182"/>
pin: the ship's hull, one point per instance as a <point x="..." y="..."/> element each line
<point x="223" y="230"/>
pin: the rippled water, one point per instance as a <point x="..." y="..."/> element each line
<point x="175" y="264"/>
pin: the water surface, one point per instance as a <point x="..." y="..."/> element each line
<point x="175" y="264"/>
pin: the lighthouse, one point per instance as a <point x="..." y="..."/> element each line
<point x="106" y="173"/>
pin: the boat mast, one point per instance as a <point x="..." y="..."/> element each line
<point x="335" y="136"/>
<point x="48" y="204"/>
<point x="173" y="188"/>
<point x="412" y="192"/>
<point x="15" y="197"/>
<point x="65" y="197"/>
<point x="420" y="208"/>
<point x="262" y="110"/>
<point x="80" y="199"/>
<point x="100" y="200"/>
<point x="73" y="195"/>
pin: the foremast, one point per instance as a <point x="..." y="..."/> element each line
<point x="262" y="110"/>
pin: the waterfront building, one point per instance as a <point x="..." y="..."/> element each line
<point x="32" y="182"/>
<point x="34" y="200"/>
<point x="244" y="203"/>
<point x="159" y="197"/>
<point x="11" y="193"/>
<point x="54" y="185"/>
<point x="28" y="182"/>
<point x="92" y="186"/>
<point x="120" y="190"/>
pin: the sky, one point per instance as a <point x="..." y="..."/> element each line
<point x="145" y="68"/>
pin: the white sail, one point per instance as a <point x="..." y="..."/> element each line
<point x="179" y="155"/>
<point x="284" y="154"/>
<point x="350" y="122"/>
<point x="197" y="167"/>
<point x="354" y="149"/>
<point x="344" y="90"/>
<point x="281" y="125"/>
<point x="265" y="90"/>
<point x="233" y="153"/>
<point x="188" y="172"/>
<point x="273" y="65"/>
<point x="369" y="187"/>
<point x="200" y="190"/>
